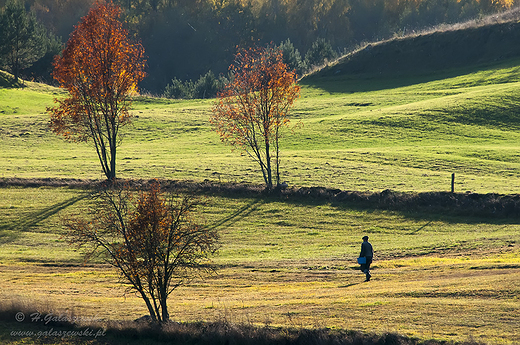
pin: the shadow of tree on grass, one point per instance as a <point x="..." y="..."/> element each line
<point x="239" y="214"/>
<point x="10" y="229"/>
<point x="7" y="81"/>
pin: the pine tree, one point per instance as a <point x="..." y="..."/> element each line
<point x="23" y="40"/>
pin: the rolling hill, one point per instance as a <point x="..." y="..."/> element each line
<point x="474" y="44"/>
<point x="361" y="126"/>
<point x="402" y="114"/>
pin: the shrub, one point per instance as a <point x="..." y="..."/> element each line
<point x="178" y="89"/>
<point x="207" y="86"/>
<point x="292" y="57"/>
<point x="319" y="53"/>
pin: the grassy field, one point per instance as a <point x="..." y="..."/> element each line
<point x="287" y="264"/>
<point x="293" y="264"/>
<point x="362" y="133"/>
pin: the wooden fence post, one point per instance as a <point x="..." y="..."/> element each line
<point x="453" y="182"/>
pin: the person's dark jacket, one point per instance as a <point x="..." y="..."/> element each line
<point x="366" y="249"/>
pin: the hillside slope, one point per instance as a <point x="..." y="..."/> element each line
<point x="491" y="40"/>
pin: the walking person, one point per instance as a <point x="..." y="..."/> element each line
<point x="367" y="252"/>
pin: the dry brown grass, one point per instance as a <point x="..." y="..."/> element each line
<point x="456" y="279"/>
<point x="426" y="297"/>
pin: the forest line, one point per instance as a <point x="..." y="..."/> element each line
<point x="184" y="39"/>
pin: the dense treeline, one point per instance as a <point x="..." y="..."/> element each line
<point x="184" y="39"/>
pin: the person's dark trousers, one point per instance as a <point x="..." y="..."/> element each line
<point x="365" y="268"/>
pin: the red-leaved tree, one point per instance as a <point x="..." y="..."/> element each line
<point x="253" y="108"/>
<point x="100" y="67"/>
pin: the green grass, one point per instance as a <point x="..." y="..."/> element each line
<point x="24" y="98"/>
<point x="352" y="132"/>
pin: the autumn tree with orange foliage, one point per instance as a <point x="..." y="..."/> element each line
<point x="253" y="108"/>
<point x="151" y="238"/>
<point x="100" y="67"/>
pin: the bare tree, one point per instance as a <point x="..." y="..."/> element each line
<point x="149" y="237"/>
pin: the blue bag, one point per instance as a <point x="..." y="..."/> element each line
<point x="362" y="260"/>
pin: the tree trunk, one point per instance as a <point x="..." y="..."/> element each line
<point x="268" y="166"/>
<point x="112" y="163"/>
<point x="16" y="75"/>
<point x="16" y="69"/>
<point x="164" y="309"/>
<point x="277" y="157"/>
<point x="149" y="306"/>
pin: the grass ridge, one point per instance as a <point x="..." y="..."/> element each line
<point x="489" y="205"/>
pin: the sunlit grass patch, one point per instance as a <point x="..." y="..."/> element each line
<point x="473" y="260"/>
<point x="32" y="99"/>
